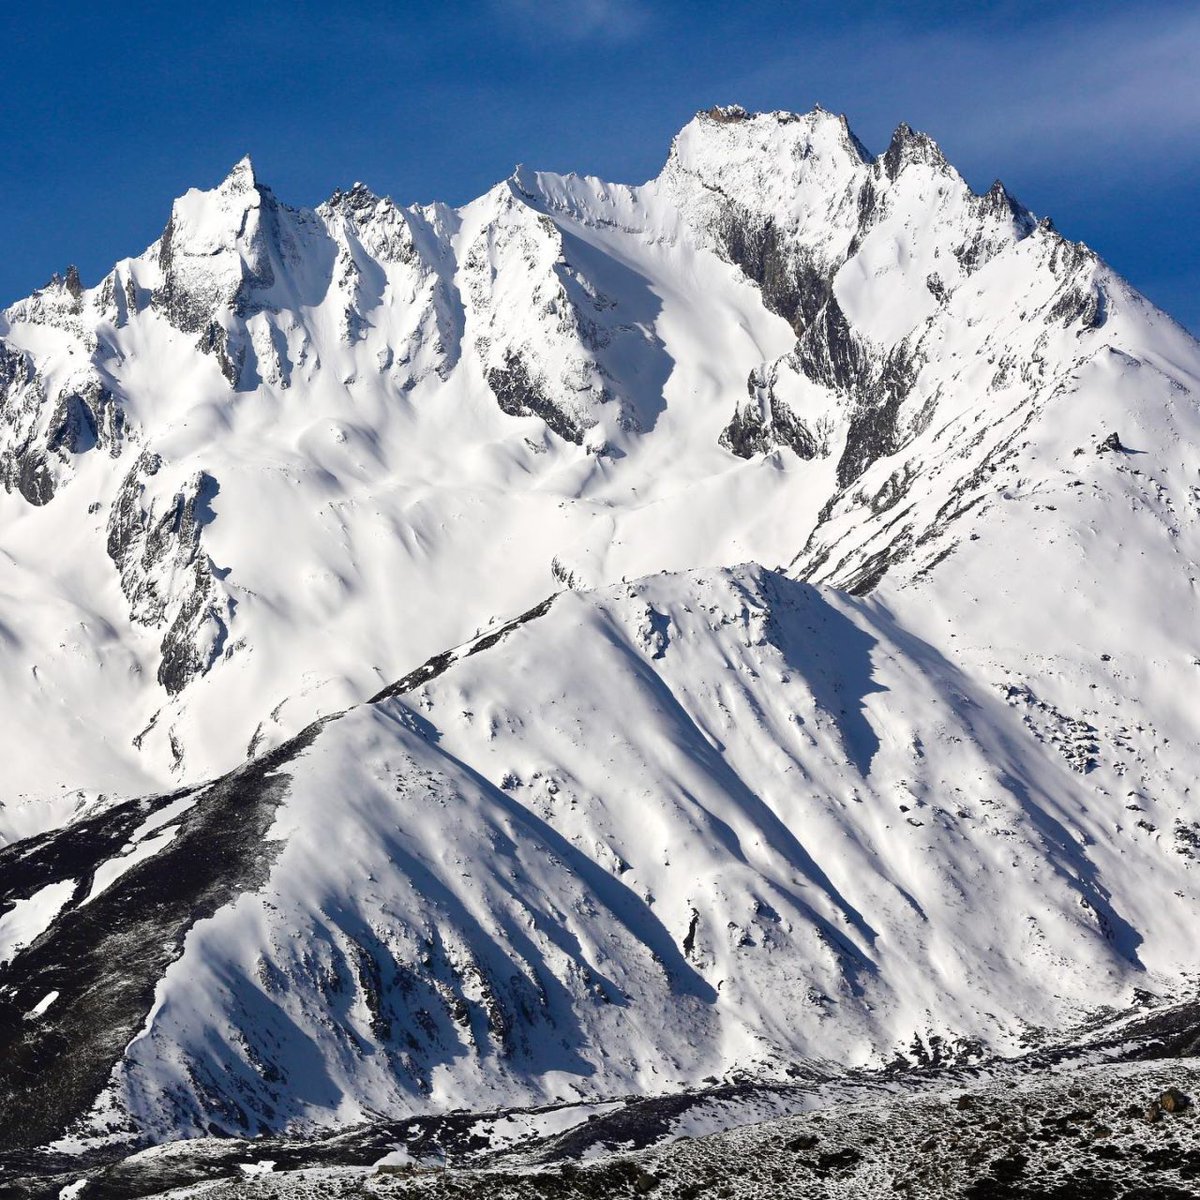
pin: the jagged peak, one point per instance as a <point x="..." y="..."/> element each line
<point x="356" y="199"/>
<point x="735" y="114"/>
<point x="998" y="193"/>
<point x="852" y="138"/>
<point x="816" y="119"/>
<point x="239" y="190"/>
<point x="717" y="139"/>
<point x="725" y="114"/>
<point x="241" y="177"/>
<point x="910" y="146"/>
<point x="999" y="202"/>
<point x="69" y="283"/>
<point x="206" y="221"/>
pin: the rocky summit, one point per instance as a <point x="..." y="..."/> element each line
<point x="728" y="643"/>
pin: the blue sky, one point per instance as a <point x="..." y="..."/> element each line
<point x="1088" y="111"/>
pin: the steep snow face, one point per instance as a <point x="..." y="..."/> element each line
<point x="551" y="341"/>
<point x="799" y="174"/>
<point x="699" y="823"/>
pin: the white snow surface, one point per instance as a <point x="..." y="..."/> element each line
<point x="700" y="822"/>
<point x="29" y="918"/>
<point x="860" y="758"/>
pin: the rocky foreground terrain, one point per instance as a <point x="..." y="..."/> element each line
<point x="1110" y="1116"/>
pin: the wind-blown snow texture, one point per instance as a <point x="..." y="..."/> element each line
<point x="919" y="785"/>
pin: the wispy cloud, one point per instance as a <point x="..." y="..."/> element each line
<point x="577" y="21"/>
<point x="1125" y="83"/>
<point x="1056" y="88"/>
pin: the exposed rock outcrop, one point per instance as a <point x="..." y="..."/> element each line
<point x="169" y="580"/>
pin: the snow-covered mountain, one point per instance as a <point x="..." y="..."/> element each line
<point x="918" y="785"/>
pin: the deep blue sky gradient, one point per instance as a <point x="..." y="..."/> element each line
<point x="1088" y="111"/>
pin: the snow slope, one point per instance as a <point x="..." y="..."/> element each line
<point x="355" y="377"/>
<point x="662" y="831"/>
<point x="918" y="785"/>
<point x="669" y="830"/>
